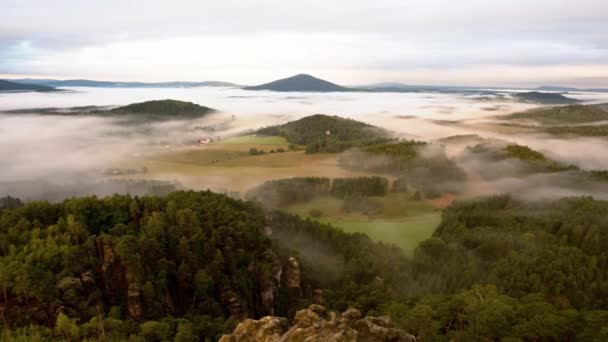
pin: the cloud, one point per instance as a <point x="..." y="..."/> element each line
<point x="261" y="39"/>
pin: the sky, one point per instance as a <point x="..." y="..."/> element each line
<point x="467" y="42"/>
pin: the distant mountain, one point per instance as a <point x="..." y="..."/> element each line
<point x="15" y="86"/>
<point x="544" y="98"/>
<point x="554" y="88"/>
<point x="301" y="82"/>
<point x="110" y="84"/>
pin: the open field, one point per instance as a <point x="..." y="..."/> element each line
<point x="227" y="165"/>
<point x="403" y="222"/>
<point x="255" y="140"/>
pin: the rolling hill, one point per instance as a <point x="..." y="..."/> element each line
<point x="170" y="108"/>
<point x="15" y="86"/>
<point x="573" y="114"/>
<point x="324" y="133"/>
<point x="544" y="98"/>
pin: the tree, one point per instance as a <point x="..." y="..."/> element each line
<point x="184" y="333"/>
<point x="67" y="328"/>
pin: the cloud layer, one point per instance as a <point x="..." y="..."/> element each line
<point x="350" y="41"/>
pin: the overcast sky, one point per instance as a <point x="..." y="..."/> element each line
<point x="468" y="42"/>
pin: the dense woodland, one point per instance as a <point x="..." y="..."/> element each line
<point x="589" y="130"/>
<point x="157" y="268"/>
<point x="163" y="109"/>
<point x="284" y="192"/>
<point x="188" y="265"/>
<point x="324" y="133"/>
<point x="564" y="114"/>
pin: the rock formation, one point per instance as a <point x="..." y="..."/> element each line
<point x="269" y="280"/>
<point x="316" y="324"/>
<point x="293" y="273"/>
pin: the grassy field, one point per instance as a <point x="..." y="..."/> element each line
<point x="255" y="140"/>
<point x="403" y="221"/>
<point x="227" y="164"/>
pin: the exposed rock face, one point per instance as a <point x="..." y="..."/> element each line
<point x="316" y="324"/>
<point x="134" y="302"/>
<point x="233" y="303"/>
<point x="269" y="281"/>
<point x="293" y="273"/>
<point x="118" y="278"/>
<point x="266" y="329"/>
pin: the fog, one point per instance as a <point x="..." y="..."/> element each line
<point x="74" y="151"/>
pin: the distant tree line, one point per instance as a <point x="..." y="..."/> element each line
<point x="284" y="192"/>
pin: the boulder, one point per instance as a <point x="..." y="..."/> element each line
<point x="317" y="324"/>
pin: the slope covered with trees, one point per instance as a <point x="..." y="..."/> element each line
<point x="171" y="109"/>
<point x="324" y="133"/>
<point x="544" y="98"/>
<point x="575" y="114"/>
<point x="189" y="265"/>
<point x="500" y="159"/>
<point x="157" y="267"/>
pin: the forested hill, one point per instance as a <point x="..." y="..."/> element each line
<point x="324" y="133"/>
<point x="170" y="108"/>
<point x="573" y="114"/>
<point x="544" y="98"/>
<point x="15" y="86"/>
<point x="189" y="265"/>
<point x="154" y="267"/>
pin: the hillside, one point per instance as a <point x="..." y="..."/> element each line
<point x="168" y="108"/>
<point x="324" y="133"/>
<point x="147" y="266"/>
<point x="544" y="98"/>
<point x="572" y="114"/>
<point x="496" y="159"/>
<point x="15" y="86"/>
<point x="191" y="265"/>
<point x="584" y="131"/>
<point x="301" y="82"/>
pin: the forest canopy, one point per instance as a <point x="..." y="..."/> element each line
<point x="195" y="262"/>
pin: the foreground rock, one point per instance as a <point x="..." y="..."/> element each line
<point x="316" y="324"/>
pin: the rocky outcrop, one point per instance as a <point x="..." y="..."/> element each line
<point x="269" y="280"/>
<point x="119" y="279"/>
<point x="232" y="301"/>
<point x="293" y="273"/>
<point x="316" y="324"/>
